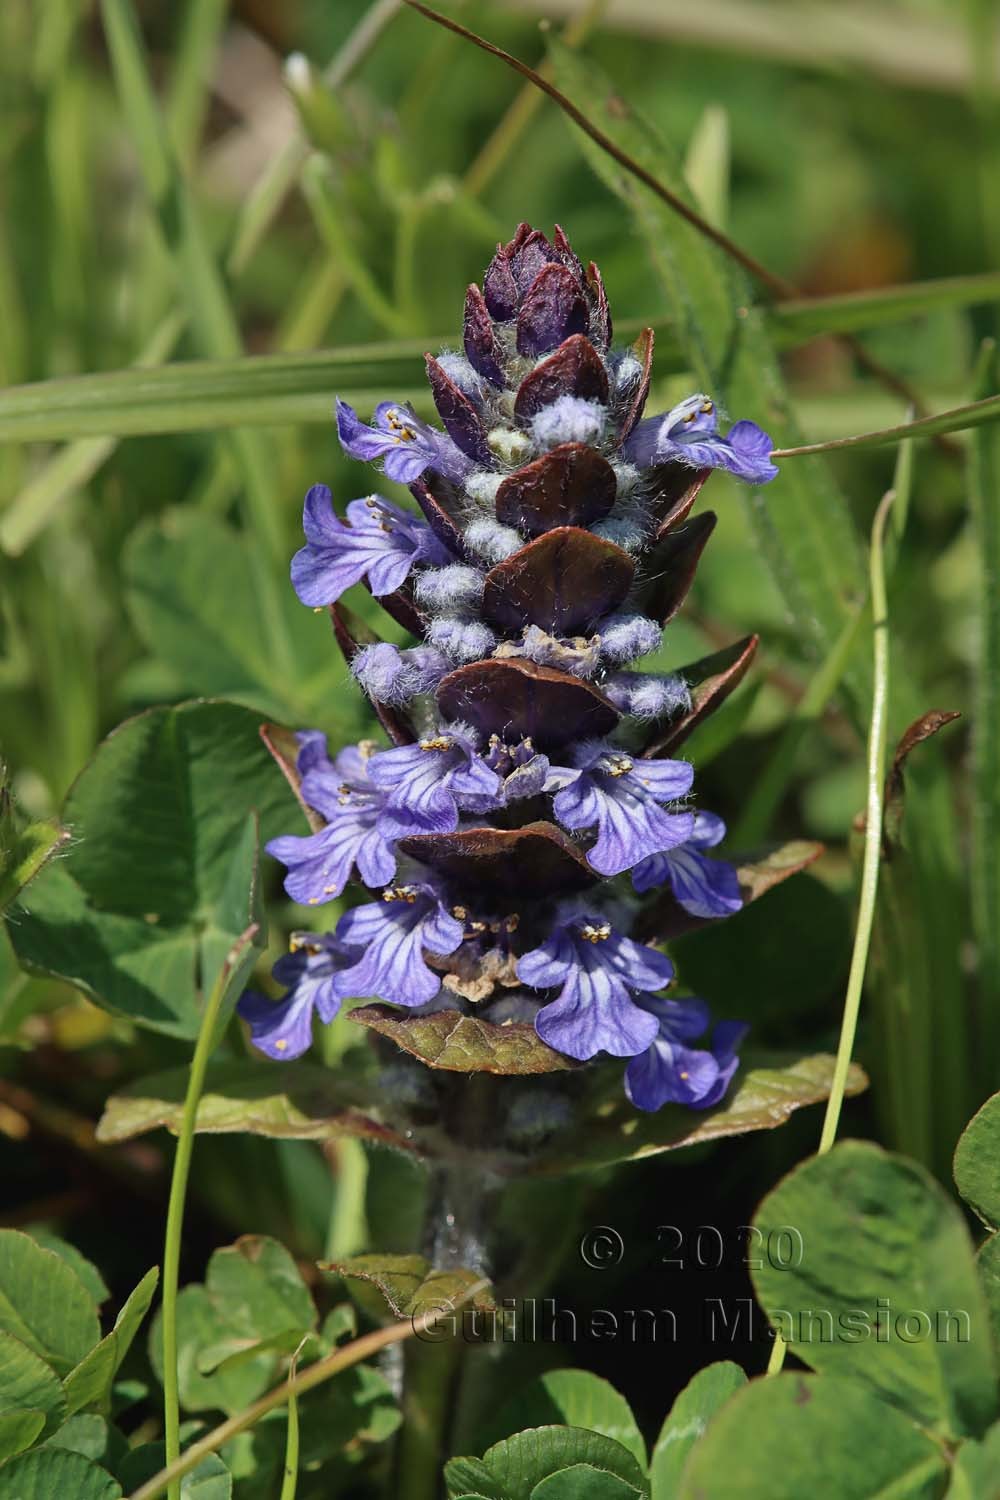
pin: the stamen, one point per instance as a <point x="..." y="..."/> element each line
<point x="707" y="408"/>
<point x="441" y="742"/>
<point x="619" y="765"/>
<point x="596" y="934"/>
<point x="407" y="893"/>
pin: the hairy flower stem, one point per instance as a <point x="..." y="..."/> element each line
<point x="458" y="1204"/>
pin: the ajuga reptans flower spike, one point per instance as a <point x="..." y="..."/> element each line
<point x="526" y="806"/>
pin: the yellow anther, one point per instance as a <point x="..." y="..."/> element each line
<point x="707" y="408"/>
<point x="442" y="742"/>
<point x="596" y="934"/>
<point x="405" y="893"/>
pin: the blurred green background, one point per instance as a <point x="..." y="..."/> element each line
<point x="851" y="148"/>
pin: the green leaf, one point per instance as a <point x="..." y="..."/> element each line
<point x="511" y="1469"/>
<point x="988" y="1268"/>
<point x="762" y="1097"/>
<point x="975" y="1473"/>
<point x="191" y="590"/>
<point x="461" y="1473"/>
<point x="582" y="1482"/>
<point x="28" y="1383"/>
<point x="85" y="1269"/>
<point x="18" y="1430"/>
<point x="299" y="1101"/>
<point x="44" y="1303"/>
<point x="200" y="1327"/>
<point x="796" y="1435"/>
<point x="464" y="1044"/>
<point x="209" y="1480"/>
<point x="876" y="1279"/>
<point x="687" y="1419"/>
<point x="90" y="1383"/>
<point x="94" y="1437"/>
<point x="783" y="956"/>
<point x="975" y="1165"/>
<point x="258" y="1290"/>
<point x="58" y="1474"/>
<point x="410" y="1284"/>
<point x="572" y="1398"/>
<point x="159" y="881"/>
<point x="801" y="521"/>
<point x="24" y="847"/>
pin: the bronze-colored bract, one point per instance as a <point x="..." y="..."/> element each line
<point x="482" y="347"/>
<point x="711" y="680"/>
<point x="571" y="486"/>
<point x="465" y="1044"/>
<point x="673" y="490"/>
<point x="643" y="351"/>
<point x="462" y="421"/>
<point x="602" y="313"/>
<point x="574" y="369"/>
<point x="439" y="500"/>
<point x="517" y="700"/>
<point x="554" y="307"/>
<point x="530" y="862"/>
<point x="563" y="582"/>
<point x="672" y="563"/>
<point x="352" y="635"/>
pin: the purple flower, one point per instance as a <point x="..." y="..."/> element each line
<point x="408" y="445"/>
<point x="283" y="1028"/>
<point x="671" y="1071"/>
<point x="320" y="865"/>
<point x="521" y="772"/>
<point x="387" y="939"/>
<point x="623" y="797"/>
<point x="382" y="543"/>
<point x="704" y="887"/>
<point x="687" y="434"/>
<point x="426" y="782"/>
<point x="597" y="969"/>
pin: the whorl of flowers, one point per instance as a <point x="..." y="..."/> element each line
<point x="526" y="804"/>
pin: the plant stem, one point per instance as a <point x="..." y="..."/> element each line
<point x="873" y="849"/>
<point x="175" y="1208"/>
<point x="323" y="1369"/>
<point x="291" y="1479"/>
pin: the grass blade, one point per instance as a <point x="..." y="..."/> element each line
<point x="800" y="318"/>
<point x="213" y="321"/>
<point x="985" y="494"/>
<point x="31" y="510"/>
<point x="802" y="521"/>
